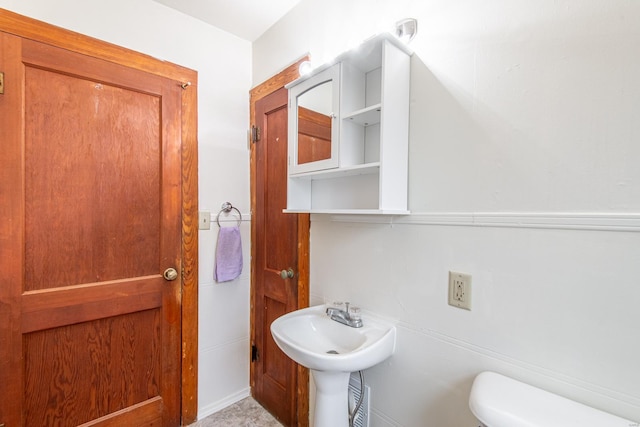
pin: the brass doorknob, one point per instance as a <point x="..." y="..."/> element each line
<point x="287" y="274"/>
<point x="170" y="274"/>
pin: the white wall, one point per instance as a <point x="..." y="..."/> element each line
<point x="524" y="149"/>
<point x="223" y="63"/>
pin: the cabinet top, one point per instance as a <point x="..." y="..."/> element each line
<point x="366" y="56"/>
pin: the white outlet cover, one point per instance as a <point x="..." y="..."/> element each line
<point x="460" y="290"/>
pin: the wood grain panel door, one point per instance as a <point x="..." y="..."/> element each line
<point x="276" y="250"/>
<point x="91" y="218"/>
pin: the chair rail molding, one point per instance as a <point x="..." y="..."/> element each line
<point x="593" y="221"/>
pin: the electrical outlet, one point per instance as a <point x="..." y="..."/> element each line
<point x="204" y="220"/>
<point x="460" y="290"/>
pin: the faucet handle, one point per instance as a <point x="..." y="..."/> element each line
<point x="354" y="313"/>
<point x="338" y="305"/>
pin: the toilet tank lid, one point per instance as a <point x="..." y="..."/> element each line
<point x="499" y="401"/>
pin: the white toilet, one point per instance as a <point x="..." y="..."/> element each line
<point x="499" y="401"/>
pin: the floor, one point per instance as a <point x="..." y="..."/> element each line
<point x="245" y="413"/>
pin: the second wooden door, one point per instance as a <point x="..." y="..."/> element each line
<point x="280" y="259"/>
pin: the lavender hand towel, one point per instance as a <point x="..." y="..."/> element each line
<point x="228" y="254"/>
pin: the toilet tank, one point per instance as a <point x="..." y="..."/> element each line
<point x="499" y="401"/>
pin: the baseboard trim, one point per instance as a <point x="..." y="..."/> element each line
<point x="214" y="407"/>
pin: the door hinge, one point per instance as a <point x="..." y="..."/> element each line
<point x="1" y="92"/>
<point x="254" y="353"/>
<point x="255" y="134"/>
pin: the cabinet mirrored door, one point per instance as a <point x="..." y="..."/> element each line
<point x="314" y="124"/>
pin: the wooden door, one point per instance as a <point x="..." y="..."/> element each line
<point x="277" y="239"/>
<point x="91" y="218"/>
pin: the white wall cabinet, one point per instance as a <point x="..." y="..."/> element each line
<point x="365" y="170"/>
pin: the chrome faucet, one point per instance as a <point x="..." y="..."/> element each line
<point x="344" y="317"/>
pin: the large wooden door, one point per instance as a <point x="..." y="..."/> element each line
<point x="91" y="218"/>
<point x="278" y="237"/>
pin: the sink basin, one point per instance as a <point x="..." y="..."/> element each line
<point x="313" y="340"/>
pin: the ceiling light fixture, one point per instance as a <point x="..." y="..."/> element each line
<point x="305" y="68"/>
<point x="407" y="29"/>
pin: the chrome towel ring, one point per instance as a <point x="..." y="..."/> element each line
<point x="227" y="208"/>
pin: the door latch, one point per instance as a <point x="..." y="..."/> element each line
<point x="254" y="355"/>
<point x="1" y="93"/>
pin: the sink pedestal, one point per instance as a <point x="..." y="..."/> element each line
<point x="332" y="408"/>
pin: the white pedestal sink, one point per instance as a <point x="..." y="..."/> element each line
<point x="332" y="351"/>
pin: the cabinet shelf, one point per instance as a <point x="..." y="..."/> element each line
<point x="366" y="116"/>
<point x="349" y="211"/>
<point x="363" y="169"/>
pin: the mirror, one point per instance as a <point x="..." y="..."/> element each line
<point x="314" y="108"/>
<point x="314" y="123"/>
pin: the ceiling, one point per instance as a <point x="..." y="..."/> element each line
<point x="247" y="19"/>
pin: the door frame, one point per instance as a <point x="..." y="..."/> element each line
<point x="39" y="31"/>
<point x="269" y="86"/>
